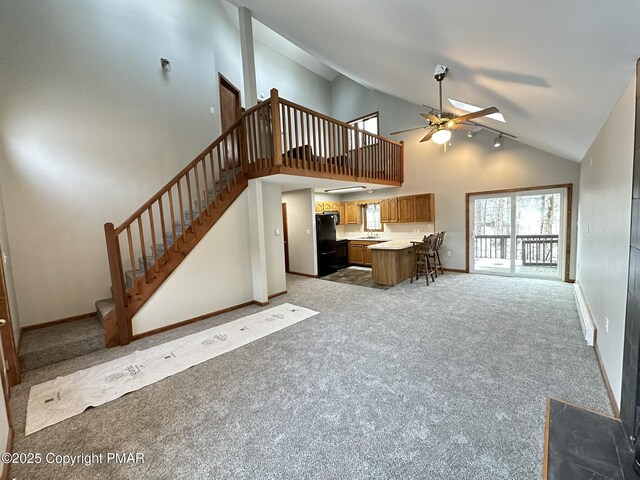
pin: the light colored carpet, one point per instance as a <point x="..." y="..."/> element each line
<point x="48" y="345"/>
<point x="439" y="382"/>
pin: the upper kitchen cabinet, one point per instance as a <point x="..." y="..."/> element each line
<point x="424" y="208"/>
<point x="389" y="210"/>
<point x="319" y="207"/>
<point x="406" y="209"/>
<point x="352" y="213"/>
<point x="331" y="206"/>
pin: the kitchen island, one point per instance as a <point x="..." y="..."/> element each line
<point x="392" y="262"/>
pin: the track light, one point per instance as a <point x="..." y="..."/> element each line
<point x="470" y="133"/>
<point x="497" y="143"/>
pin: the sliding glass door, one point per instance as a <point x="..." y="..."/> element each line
<point x="518" y="233"/>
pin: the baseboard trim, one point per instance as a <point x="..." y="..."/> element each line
<point x="73" y="318"/>
<point x="8" y="449"/>
<point x="195" y="319"/>
<point x="455" y="270"/>
<point x="586" y="319"/>
<point x="284" y="292"/>
<point x="607" y="385"/>
<point x="303" y="274"/>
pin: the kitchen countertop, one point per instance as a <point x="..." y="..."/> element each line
<point x="398" y="244"/>
<point x="372" y="239"/>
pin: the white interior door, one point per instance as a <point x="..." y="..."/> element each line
<point x="519" y="233"/>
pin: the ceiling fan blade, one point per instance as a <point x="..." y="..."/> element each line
<point x="462" y="126"/>
<point x="481" y="113"/>
<point x="432" y="118"/>
<point x="428" y="136"/>
<point x="409" y="130"/>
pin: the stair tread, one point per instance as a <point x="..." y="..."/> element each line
<point x="103" y="307"/>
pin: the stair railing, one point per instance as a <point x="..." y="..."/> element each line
<point x="161" y="231"/>
<point x="275" y="136"/>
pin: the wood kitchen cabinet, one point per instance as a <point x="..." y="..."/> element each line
<point x="352" y="213"/>
<point x="423" y="208"/>
<point x="359" y="254"/>
<point x="331" y="206"/>
<point x="389" y="210"/>
<point x="356" y="253"/>
<point x="341" y="211"/>
<point x="367" y="256"/>
<point x="319" y="207"/>
<point x="406" y="209"/>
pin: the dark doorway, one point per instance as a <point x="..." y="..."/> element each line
<point x="285" y="233"/>
<point x="229" y="114"/>
<point x="229" y="102"/>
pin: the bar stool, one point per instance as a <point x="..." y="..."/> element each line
<point x="435" y="253"/>
<point x="422" y="263"/>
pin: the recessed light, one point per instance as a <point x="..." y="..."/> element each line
<point x="346" y="189"/>
<point x="472" y="109"/>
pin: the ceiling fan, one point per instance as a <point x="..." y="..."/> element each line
<point x="443" y="123"/>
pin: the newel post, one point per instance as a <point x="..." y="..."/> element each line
<point x="117" y="282"/>
<point x="275" y="127"/>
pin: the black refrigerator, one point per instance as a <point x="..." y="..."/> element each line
<point x="326" y="244"/>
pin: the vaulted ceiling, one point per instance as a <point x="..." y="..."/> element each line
<point x="555" y="69"/>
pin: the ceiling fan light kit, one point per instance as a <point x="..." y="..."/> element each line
<point x="497" y="142"/>
<point x="441" y="125"/>
<point x="441" y="136"/>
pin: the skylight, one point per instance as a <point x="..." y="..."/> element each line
<point x="472" y="108"/>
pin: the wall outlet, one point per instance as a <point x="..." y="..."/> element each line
<point x="277" y="231"/>
<point x="606" y="324"/>
<point x="448" y="253"/>
<point x="212" y="110"/>
<point x="591" y="161"/>
<point x="308" y="232"/>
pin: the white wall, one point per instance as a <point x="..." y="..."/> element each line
<point x="91" y="126"/>
<point x="294" y="82"/>
<point x="604" y="224"/>
<point x="214" y="276"/>
<point x="470" y="165"/>
<point x="300" y="220"/>
<point x="274" y="241"/>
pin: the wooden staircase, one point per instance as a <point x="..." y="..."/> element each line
<point x="274" y="137"/>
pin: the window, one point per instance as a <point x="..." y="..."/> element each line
<point x="368" y="123"/>
<point x="372" y="218"/>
